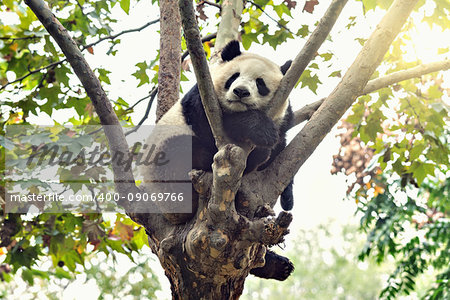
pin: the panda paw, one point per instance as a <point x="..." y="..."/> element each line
<point x="277" y="267"/>
<point x="287" y="197"/>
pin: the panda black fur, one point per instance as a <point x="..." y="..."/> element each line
<point x="244" y="84"/>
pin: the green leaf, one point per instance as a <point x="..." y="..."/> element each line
<point x="103" y="75"/>
<point x="417" y="150"/>
<point x="422" y="170"/>
<point x="49" y="47"/>
<point x="310" y="81"/>
<point x="336" y="74"/>
<point x="125" y="5"/>
<point x="61" y="74"/>
<point x="61" y="273"/>
<point x="141" y="74"/>
<point x="303" y="31"/>
<point x="248" y="39"/>
<point x="326" y="56"/>
<point x="50" y="93"/>
<point x="79" y="104"/>
<point x="27" y="276"/>
<point x="261" y="3"/>
<point x="435" y="92"/>
<point x="443" y="50"/>
<point x="280" y="9"/>
<point x="183" y="77"/>
<point x="38" y="273"/>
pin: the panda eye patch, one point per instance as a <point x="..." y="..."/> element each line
<point x="231" y="80"/>
<point x="263" y="90"/>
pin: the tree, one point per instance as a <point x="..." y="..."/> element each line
<point x="219" y="239"/>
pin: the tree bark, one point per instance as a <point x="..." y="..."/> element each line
<point x="230" y="22"/>
<point x="169" y="57"/>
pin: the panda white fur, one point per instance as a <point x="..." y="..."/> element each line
<point x="244" y="84"/>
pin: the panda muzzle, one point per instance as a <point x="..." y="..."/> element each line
<point x="241" y="92"/>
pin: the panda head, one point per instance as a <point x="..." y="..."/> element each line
<point x="245" y="81"/>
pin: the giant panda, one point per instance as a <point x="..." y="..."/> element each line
<point x="245" y="84"/>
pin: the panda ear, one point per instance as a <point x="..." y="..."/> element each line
<point x="230" y="51"/>
<point x="286" y="67"/>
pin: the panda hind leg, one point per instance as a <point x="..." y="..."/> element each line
<point x="287" y="197"/>
<point x="277" y="267"/>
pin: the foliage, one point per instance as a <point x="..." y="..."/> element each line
<point x="402" y="132"/>
<point x="139" y="282"/>
<point x="415" y="231"/>
<point x="115" y="277"/>
<point x="395" y="152"/>
<point x="326" y="267"/>
<point x="67" y="239"/>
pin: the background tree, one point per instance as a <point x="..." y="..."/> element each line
<point x="327" y="267"/>
<point x="34" y="70"/>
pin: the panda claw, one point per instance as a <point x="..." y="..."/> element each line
<point x="277" y="267"/>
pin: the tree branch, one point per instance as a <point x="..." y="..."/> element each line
<point x="209" y="3"/>
<point x="152" y="96"/>
<point x="202" y="74"/>
<point x="306" y="112"/>
<point x="115" y="36"/>
<point x="52" y="65"/>
<point x="229" y="23"/>
<point x="154" y="90"/>
<point x="170" y="57"/>
<point x="269" y="16"/>
<point x="306" y="54"/>
<point x="123" y="178"/>
<point x="373" y="85"/>
<point x="398" y="76"/>
<point x="12" y="39"/>
<point x="343" y="96"/>
<point x="206" y="38"/>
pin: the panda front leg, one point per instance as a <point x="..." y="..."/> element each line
<point x="277" y="267"/>
<point x="251" y="125"/>
<point x="257" y="157"/>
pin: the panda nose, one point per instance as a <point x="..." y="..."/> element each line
<point x="241" y="92"/>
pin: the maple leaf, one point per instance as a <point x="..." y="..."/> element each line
<point x="125" y="232"/>
<point x="201" y="12"/>
<point x="309" y="5"/>
<point x="290" y="4"/>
